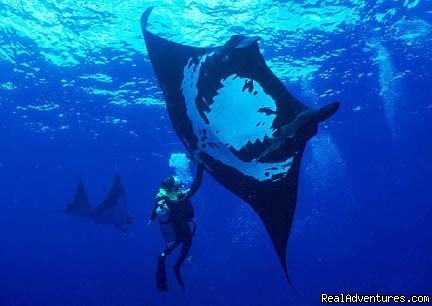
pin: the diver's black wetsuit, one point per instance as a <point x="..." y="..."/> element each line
<point x="181" y="213"/>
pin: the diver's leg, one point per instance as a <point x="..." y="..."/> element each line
<point x="186" y="245"/>
<point x="169" y="248"/>
<point x="183" y="253"/>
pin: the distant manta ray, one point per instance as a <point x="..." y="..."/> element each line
<point x="111" y="211"/>
<point x="236" y="118"/>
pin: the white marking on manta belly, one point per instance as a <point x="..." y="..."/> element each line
<point x="234" y="113"/>
<point x="234" y="121"/>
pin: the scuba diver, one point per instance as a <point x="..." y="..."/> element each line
<point x="174" y="211"/>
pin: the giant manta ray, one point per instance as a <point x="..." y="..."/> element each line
<point x="111" y="211"/>
<point x="236" y="118"/>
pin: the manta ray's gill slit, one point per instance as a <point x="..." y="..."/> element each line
<point x="223" y="134"/>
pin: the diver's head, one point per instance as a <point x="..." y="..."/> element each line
<point x="170" y="184"/>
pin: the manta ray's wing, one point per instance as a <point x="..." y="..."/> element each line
<point x="79" y="204"/>
<point x="114" y="196"/>
<point x="113" y="208"/>
<point x="237" y="118"/>
<point x="168" y="73"/>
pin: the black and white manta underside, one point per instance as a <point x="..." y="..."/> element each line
<point x="236" y="118"/>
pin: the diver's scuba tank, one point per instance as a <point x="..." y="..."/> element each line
<point x="166" y="225"/>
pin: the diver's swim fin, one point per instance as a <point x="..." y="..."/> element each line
<point x="179" y="277"/>
<point x="161" y="275"/>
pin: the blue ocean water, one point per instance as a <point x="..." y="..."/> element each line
<point x="78" y="96"/>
